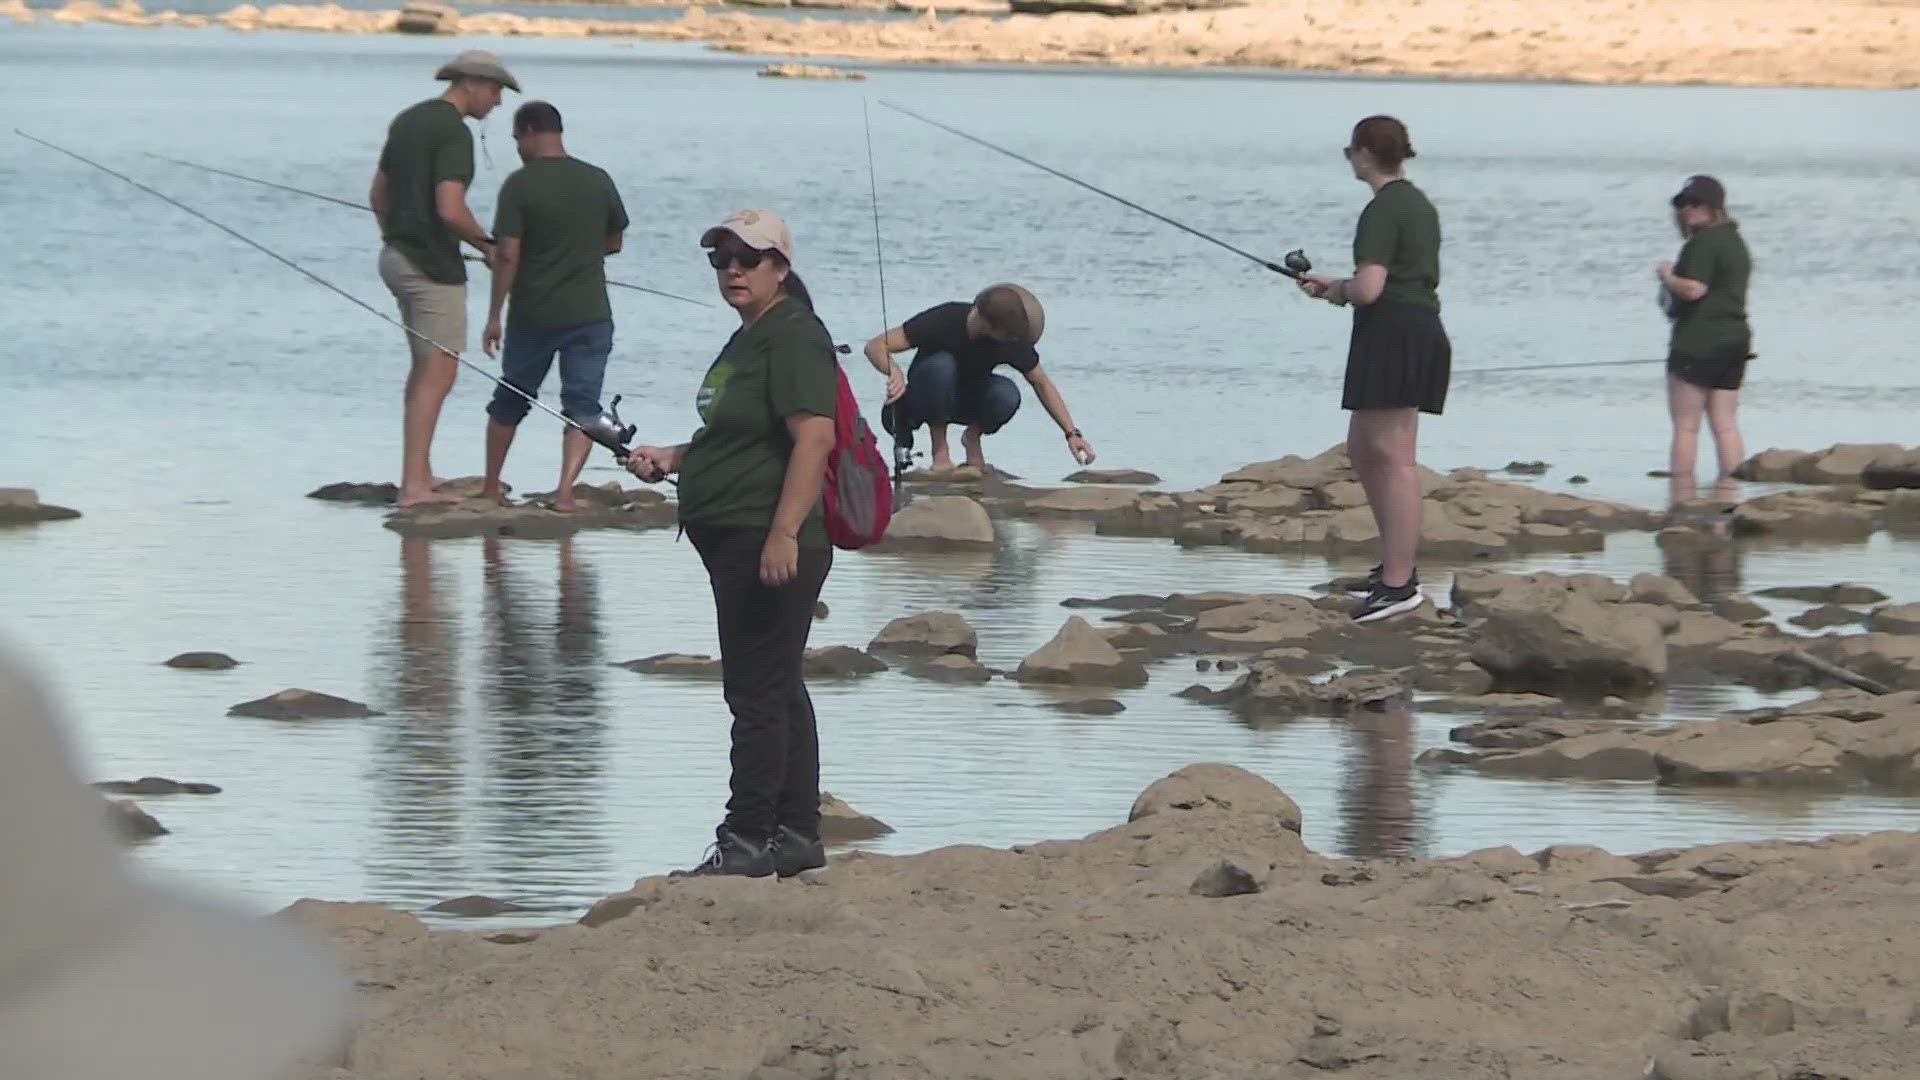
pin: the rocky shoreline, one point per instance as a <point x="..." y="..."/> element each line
<point x="1841" y="43"/>
<point x="1199" y="938"/>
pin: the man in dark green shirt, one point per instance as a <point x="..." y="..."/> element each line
<point x="557" y="220"/>
<point x="419" y="197"/>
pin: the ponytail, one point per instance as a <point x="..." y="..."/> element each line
<point x="798" y="290"/>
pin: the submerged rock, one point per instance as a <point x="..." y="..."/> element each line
<point x="840" y="823"/>
<point x="480" y="517"/>
<point x="154" y="785"/>
<point x="839" y="662"/>
<point x="22" y="506"/>
<point x="297" y="704"/>
<point x="1842" y="593"/>
<point x="1097" y="706"/>
<point x="951" y="668"/>
<point x="697" y="665"/>
<point x="130" y="823"/>
<point x="1112" y="476"/>
<point x="1827" y="615"/>
<point x="476" y="907"/>
<point x="203" y="661"/>
<point x="466" y="487"/>
<point x="809" y="71"/>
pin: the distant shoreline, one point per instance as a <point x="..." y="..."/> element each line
<point x="1841" y="44"/>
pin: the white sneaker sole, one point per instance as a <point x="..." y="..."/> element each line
<point x="1397" y="608"/>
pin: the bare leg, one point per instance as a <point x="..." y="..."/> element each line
<point x="428" y="382"/>
<point x="1389" y="437"/>
<point x="976" y="454"/>
<point x="942" y="455"/>
<point x="1366" y="466"/>
<point x="1685" y="404"/>
<point x="574" y="448"/>
<point x="1722" y="413"/>
<point x="499" y="441"/>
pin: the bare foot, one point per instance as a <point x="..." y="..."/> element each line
<point x="570" y="506"/>
<point x="942" y="463"/>
<point x="425" y="498"/>
<point x="493" y="494"/>
<point x="978" y="464"/>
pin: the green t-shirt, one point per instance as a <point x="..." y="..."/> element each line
<point x="562" y="210"/>
<point x="736" y="464"/>
<point x="426" y="143"/>
<point x="1400" y="230"/>
<point x="1715" y="325"/>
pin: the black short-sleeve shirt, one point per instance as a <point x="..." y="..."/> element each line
<point x="943" y="328"/>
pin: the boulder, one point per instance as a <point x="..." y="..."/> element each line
<point x="1528" y="642"/>
<point x="930" y="633"/>
<point x="203" y="661"/>
<point x="698" y="665"/>
<point x="1738" y="608"/>
<point x="1843" y="463"/>
<point x="950" y="668"/>
<point x="1216" y="787"/>
<point x="1896" y="619"/>
<point x="1771" y="466"/>
<point x="154" y="785"/>
<point x="939" y="523"/>
<point x="130" y="823"/>
<point x="1078" y="654"/>
<point x="839" y="662"/>
<point x="1802" y="516"/>
<point x="1659" y="589"/>
<point x="1899" y="469"/>
<point x="22" y="506"/>
<point x="1527" y="468"/>
<point x="1094" y="706"/>
<point x="1603" y="756"/>
<point x="297" y="704"/>
<point x="1224" y="879"/>
<point x="1788" y="753"/>
<point x="424" y="17"/>
<point x="840" y="823"/>
<point x="1842" y="593"/>
<point x="1699" y="631"/>
<point x="1112" y="476"/>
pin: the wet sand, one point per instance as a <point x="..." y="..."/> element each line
<point x="1844" y="43"/>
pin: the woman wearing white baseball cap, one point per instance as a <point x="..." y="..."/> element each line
<point x="750" y="485"/>
<point x="103" y="974"/>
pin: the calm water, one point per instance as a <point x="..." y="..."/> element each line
<point x="184" y="392"/>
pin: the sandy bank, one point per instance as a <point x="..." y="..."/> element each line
<point x="1201" y="940"/>
<point x="1836" y="43"/>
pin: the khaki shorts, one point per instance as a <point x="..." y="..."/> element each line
<point x="427" y="307"/>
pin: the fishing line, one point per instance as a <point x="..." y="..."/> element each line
<point x="362" y="206"/>
<point x="902" y="453"/>
<point x="1295" y="262"/>
<point x="1555" y="367"/>
<point x="596" y="433"/>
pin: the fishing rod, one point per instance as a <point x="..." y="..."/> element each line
<point x="1555" y="367"/>
<point x="362" y="206"/>
<point x="902" y="450"/>
<point x="1293" y="264"/>
<point x="605" y="429"/>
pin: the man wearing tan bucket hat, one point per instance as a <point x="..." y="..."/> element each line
<point x="105" y="974"/>
<point x="419" y="197"/>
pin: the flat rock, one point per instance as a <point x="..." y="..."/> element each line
<point x="466" y="487"/>
<point x="1898" y="619"/>
<point x="839" y="662"/>
<point x="1078" y="654"/>
<point x="939" y="523"/>
<point x="298" y="704"/>
<point x="130" y="823"/>
<point x="698" y="665"/>
<point x="1083" y="500"/>
<point x="154" y="785"/>
<point x="482" y="517"/>
<point x="1112" y="476"/>
<point x="1737" y="608"/>
<point x="476" y="907"/>
<point x="1088" y="706"/>
<point x="950" y="668"/>
<point x="1798" y="515"/>
<point x="22" y="506"/>
<point x="1216" y="787"/>
<point x="203" y="661"/>
<point x="840" y="823"/>
<point x="1771" y="466"/>
<point x="1518" y="733"/>
<point x="1828" y="615"/>
<point x="1899" y="469"/>
<point x="1122" y="602"/>
<point x="928" y="633"/>
<point x="1842" y="593"/>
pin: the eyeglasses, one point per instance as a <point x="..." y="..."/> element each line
<point x="748" y="258"/>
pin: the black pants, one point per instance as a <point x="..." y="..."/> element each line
<point x="763" y="641"/>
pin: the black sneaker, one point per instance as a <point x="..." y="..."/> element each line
<point x="1368" y="584"/>
<point x="794" y="852"/>
<point x="1383" y="602"/>
<point x="732" y="854"/>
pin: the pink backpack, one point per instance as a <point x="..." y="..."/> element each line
<point x="859" y="489"/>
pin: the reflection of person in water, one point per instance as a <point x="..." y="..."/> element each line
<point x="1709" y="565"/>
<point x="1377" y="814"/>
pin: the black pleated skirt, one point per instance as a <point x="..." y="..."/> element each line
<point x="1399" y="358"/>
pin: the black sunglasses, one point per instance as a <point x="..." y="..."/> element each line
<point x="748" y="258"/>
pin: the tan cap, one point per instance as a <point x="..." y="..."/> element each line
<point x="478" y="64"/>
<point x="758" y="229"/>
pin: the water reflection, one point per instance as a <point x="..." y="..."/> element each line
<point x="1708" y="562"/>
<point x="1378" y="815"/>
<point x="416" y="772"/>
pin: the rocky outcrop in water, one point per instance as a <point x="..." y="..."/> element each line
<point x="203" y="661"/>
<point x="297" y="704"/>
<point x="22" y="506"/>
<point x="939" y="523"/>
<point x="697" y="665"/>
<point x="1874" y="465"/>
<point x="841" y="824"/>
<point x="810" y="71"/>
<point x="130" y="823"/>
<point x="154" y="785"/>
<point x="607" y="507"/>
<point x="1081" y="656"/>
<point x="927" y="634"/>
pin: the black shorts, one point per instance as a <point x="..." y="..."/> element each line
<point x="1722" y="371"/>
<point x="1398" y="358"/>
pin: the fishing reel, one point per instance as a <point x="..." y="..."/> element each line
<point x="1296" y="261"/>
<point x="608" y="430"/>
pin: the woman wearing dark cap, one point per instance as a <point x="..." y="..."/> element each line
<point x="1705" y="296"/>
<point x="750" y="483"/>
<point x="952" y="381"/>
<point x="1399" y="358"/>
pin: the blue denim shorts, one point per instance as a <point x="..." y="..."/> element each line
<point x="528" y="353"/>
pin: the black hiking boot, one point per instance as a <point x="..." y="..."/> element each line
<point x="794" y="852"/>
<point x="732" y="854"/>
